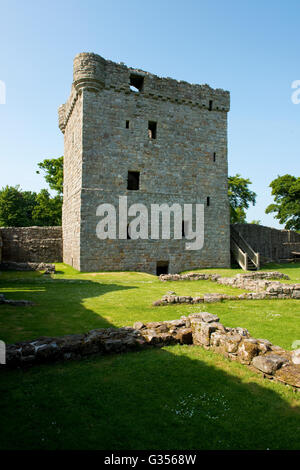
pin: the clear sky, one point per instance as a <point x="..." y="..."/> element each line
<point x="250" y="48"/>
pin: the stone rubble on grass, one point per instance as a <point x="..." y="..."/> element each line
<point x="199" y="329"/>
<point x="261" y="283"/>
<point x="15" y="303"/>
<point x="241" y="277"/>
<point x="48" y="268"/>
<point x="269" y="364"/>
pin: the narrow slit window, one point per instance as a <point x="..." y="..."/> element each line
<point x="210" y="105"/>
<point x="127" y="124"/>
<point x="208" y="201"/>
<point x="214" y="156"/>
<point x="183" y="228"/>
<point x="133" y="180"/>
<point x="136" y="83"/>
<point x="162" y="267"/>
<point x="152" y="126"/>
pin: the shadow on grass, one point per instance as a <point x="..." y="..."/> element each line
<point x="59" y="307"/>
<point x="179" y="397"/>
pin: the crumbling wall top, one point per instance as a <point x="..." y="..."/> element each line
<point x="93" y="72"/>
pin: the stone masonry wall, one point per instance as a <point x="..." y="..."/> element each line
<point x="261" y="284"/>
<point x="72" y="185"/>
<point x="199" y="329"/>
<point x="272" y="244"/>
<point x="186" y="163"/>
<point x="31" y="244"/>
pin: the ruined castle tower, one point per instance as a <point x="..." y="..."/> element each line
<point x="155" y="140"/>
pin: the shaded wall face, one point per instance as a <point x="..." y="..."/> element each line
<point x="31" y="244"/>
<point x="272" y="244"/>
<point x="185" y="163"/>
<point x="72" y="185"/>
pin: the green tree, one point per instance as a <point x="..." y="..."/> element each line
<point x="25" y="208"/>
<point x="16" y="207"/>
<point x="53" y="169"/>
<point x="240" y="197"/>
<point x="286" y="192"/>
<point x="47" y="210"/>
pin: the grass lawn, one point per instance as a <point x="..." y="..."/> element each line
<point x="71" y="302"/>
<point x="179" y="397"/>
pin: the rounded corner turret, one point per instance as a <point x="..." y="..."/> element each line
<point x="89" y="71"/>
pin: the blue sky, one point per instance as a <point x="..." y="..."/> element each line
<point x="250" y="48"/>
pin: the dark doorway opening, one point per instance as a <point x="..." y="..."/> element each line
<point x="162" y="267"/>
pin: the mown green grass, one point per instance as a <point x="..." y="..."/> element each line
<point x="71" y="302"/>
<point x="177" y="397"/>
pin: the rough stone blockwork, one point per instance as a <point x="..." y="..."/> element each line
<point x="15" y="303"/>
<point x="239" y="278"/>
<point x="272" y="244"/>
<point x="260" y="282"/>
<point x="170" y="133"/>
<point x="200" y="329"/>
<point x="31" y="244"/>
<point x="12" y="266"/>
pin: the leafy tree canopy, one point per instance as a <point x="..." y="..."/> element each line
<point x="20" y="208"/>
<point x="240" y="197"/>
<point x="25" y="208"/>
<point x="47" y="210"/>
<point x="16" y="207"/>
<point x="53" y="169"/>
<point x="286" y="192"/>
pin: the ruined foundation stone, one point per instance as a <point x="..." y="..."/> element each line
<point x="199" y="329"/>
<point x="15" y="303"/>
<point x="12" y="266"/>
<point x="262" y="283"/>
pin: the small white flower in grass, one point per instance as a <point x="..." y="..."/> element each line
<point x="210" y="406"/>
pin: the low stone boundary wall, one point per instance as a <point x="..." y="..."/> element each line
<point x="261" y="283"/>
<point x="33" y="244"/>
<point x="238" y="279"/>
<point x="282" y="291"/>
<point x="272" y="244"/>
<point x="12" y="266"/>
<point x="189" y="277"/>
<point x="198" y="329"/>
<point x="253" y="281"/>
<point x="15" y="303"/>
<point x="187" y="299"/>
<point x="100" y="341"/>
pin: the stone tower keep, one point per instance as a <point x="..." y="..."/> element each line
<point x="167" y="138"/>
